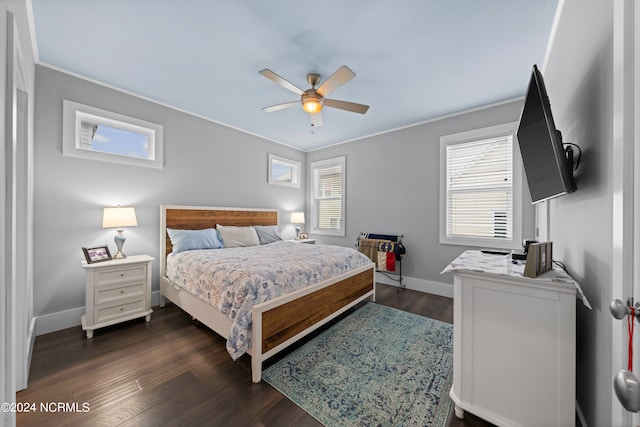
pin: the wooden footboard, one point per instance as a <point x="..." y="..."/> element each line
<point x="283" y="321"/>
<point x="288" y="320"/>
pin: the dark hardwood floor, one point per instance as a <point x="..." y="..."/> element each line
<point x="170" y="371"/>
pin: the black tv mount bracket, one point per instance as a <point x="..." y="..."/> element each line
<point x="568" y="152"/>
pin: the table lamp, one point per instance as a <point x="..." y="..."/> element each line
<point x="118" y="218"/>
<point x="297" y="218"/>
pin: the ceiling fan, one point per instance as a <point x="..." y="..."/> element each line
<point x="314" y="99"/>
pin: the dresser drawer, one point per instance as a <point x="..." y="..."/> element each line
<point x="112" y="312"/>
<point x="114" y="293"/>
<point x="120" y="275"/>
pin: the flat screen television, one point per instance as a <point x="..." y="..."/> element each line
<point x="548" y="166"/>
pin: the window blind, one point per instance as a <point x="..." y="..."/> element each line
<point x="329" y="196"/>
<point x="479" y="189"/>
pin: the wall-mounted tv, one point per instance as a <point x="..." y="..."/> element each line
<point x="547" y="164"/>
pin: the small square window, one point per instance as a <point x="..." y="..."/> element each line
<point x="283" y="171"/>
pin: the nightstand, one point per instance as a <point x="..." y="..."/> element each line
<point x="117" y="291"/>
<point x="308" y="241"/>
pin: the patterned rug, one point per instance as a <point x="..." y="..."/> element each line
<point x="378" y="366"/>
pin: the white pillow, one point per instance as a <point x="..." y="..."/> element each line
<point x="268" y="233"/>
<point x="234" y="237"/>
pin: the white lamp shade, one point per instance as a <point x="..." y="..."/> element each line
<point x="119" y="217"/>
<point x="297" y="217"/>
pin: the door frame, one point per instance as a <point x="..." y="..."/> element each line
<point x="17" y="326"/>
<point x="625" y="186"/>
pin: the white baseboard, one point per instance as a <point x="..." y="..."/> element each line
<point x="58" y="321"/>
<point x="70" y="318"/>
<point x="427" y="286"/>
<point x="31" y="338"/>
<point x="22" y="379"/>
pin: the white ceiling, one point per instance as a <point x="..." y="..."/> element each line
<point x="414" y="60"/>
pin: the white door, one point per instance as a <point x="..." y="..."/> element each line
<point x="626" y="188"/>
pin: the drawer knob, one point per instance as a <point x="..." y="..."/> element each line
<point x="121" y="308"/>
<point x="122" y="292"/>
<point x="121" y="274"/>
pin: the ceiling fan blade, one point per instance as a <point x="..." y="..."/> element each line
<point x="281" y="81"/>
<point x="337" y="79"/>
<point x="345" y="105"/>
<point x="279" y="107"/>
<point x="316" y="120"/>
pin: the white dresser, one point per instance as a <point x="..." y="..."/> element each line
<point x="514" y="343"/>
<point x="117" y="291"/>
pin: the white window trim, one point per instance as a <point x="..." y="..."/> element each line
<point x="295" y="171"/>
<point x="314" y="206"/>
<point x="474" y="135"/>
<point x="74" y="113"/>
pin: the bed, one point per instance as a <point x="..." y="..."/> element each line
<point x="277" y="322"/>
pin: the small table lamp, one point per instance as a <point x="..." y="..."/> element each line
<point x="117" y="218"/>
<point x="297" y="218"/>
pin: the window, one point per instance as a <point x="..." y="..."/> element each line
<point x="480" y="198"/>
<point x="283" y="171"/>
<point x="93" y="133"/>
<point x="328" y="199"/>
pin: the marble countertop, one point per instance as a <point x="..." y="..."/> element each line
<point x="502" y="265"/>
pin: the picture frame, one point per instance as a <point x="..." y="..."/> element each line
<point x="304" y="236"/>
<point x="539" y="259"/>
<point x="97" y="254"/>
<point x="283" y="171"/>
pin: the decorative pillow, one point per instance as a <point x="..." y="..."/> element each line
<point x="186" y="240"/>
<point x="235" y="237"/>
<point x="268" y="233"/>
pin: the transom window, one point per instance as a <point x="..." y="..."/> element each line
<point x="480" y="192"/>
<point x="93" y="133"/>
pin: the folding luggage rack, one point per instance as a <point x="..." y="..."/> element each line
<point x="386" y="252"/>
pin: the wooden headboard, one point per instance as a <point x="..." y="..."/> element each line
<point x="199" y="217"/>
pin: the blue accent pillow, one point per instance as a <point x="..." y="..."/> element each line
<point x="268" y="233"/>
<point x="186" y="240"/>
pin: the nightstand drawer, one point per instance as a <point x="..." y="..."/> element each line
<point x="113" y="293"/>
<point x="112" y="312"/>
<point x="120" y="274"/>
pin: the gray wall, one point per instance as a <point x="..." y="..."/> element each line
<point x="579" y="79"/>
<point x="205" y="164"/>
<point x="393" y="187"/>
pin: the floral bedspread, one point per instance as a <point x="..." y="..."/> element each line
<point x="234" y="279"/>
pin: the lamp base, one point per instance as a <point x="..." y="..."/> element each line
<point x="297" y="232"/>
<point x="119" y="239"/>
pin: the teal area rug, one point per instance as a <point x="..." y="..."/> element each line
<point x="377" y="367"/>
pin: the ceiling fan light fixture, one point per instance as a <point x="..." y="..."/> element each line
<point x="312" y="106"/>
<point x="311" y="102"/>
<point x="313" y="99"/>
